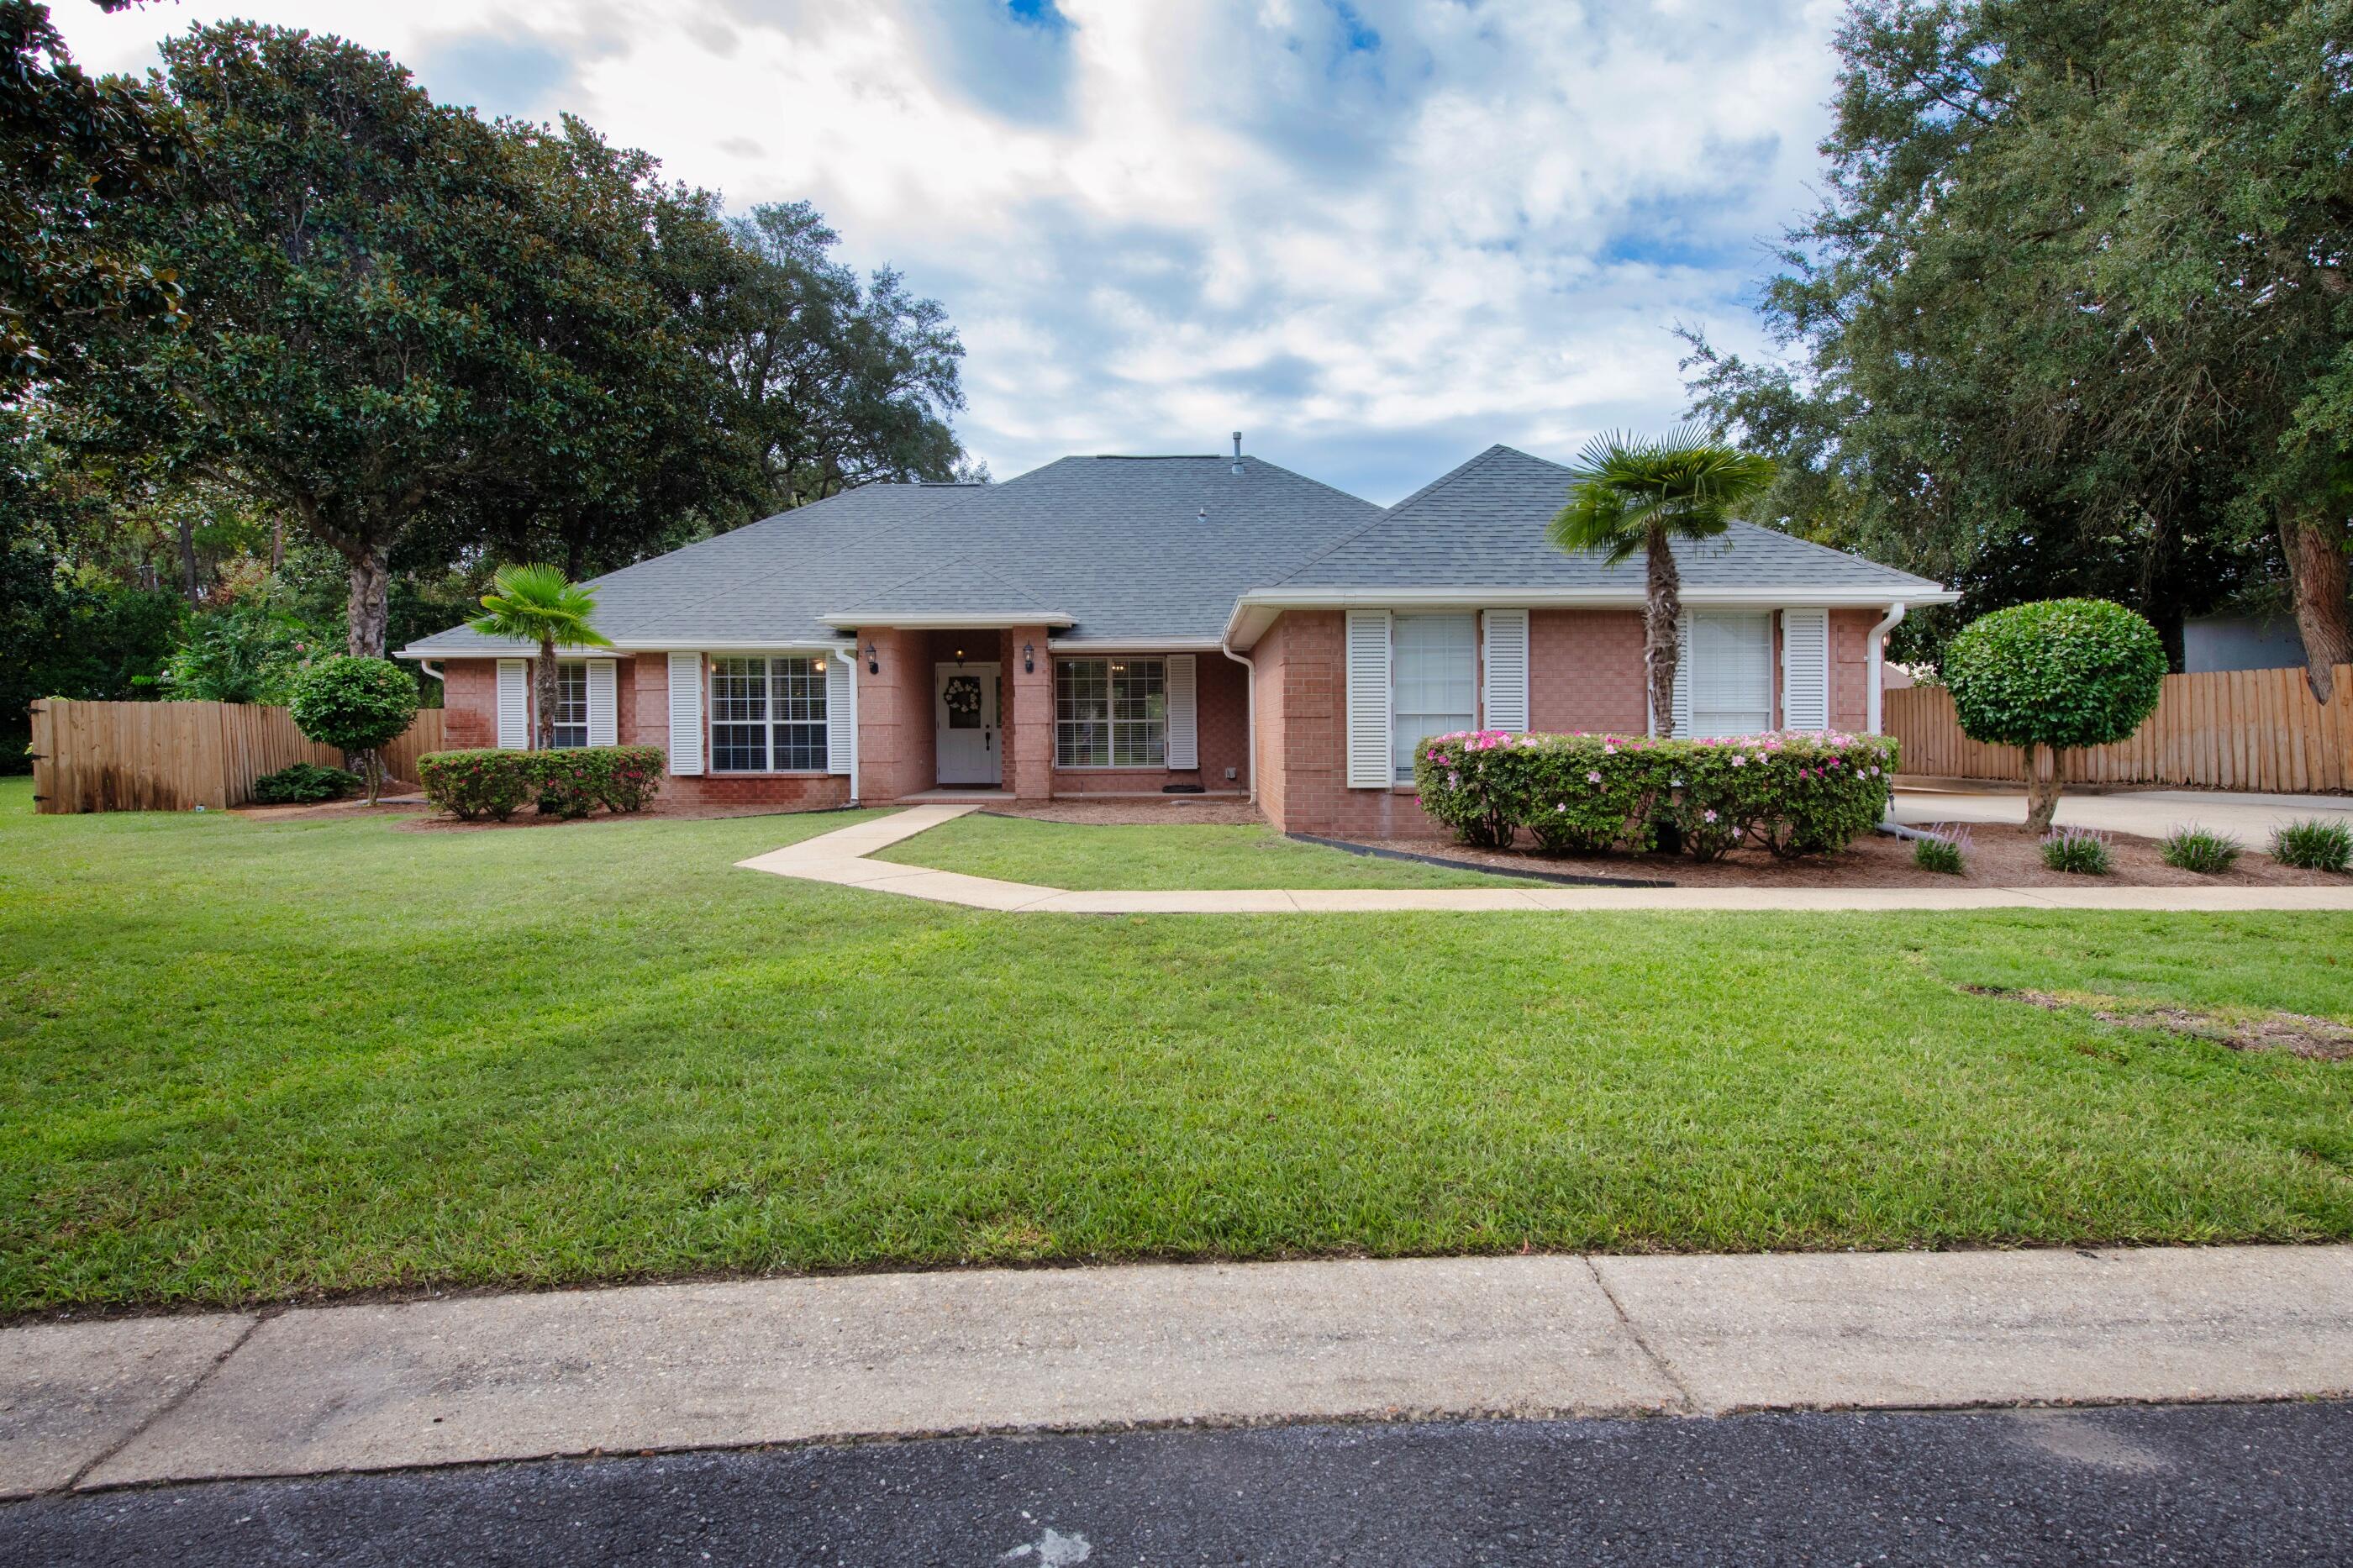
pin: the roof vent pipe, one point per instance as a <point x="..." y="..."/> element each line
<point x="1238" y="452"/>
<point x="1203" y="516"/>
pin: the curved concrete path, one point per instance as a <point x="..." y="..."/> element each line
<point x="840" y="858"/>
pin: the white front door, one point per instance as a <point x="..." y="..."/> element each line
<point x="964" y="706"/>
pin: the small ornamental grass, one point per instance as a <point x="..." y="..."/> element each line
<point x="2191" y="849"/>
<point x="2315" y="844"/>
<point x="1789" y="793"/>
<point x="2077" y="849"/>
<point x="1944" y="848"/>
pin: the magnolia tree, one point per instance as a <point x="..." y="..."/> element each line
<point x="358" y="706"/>
<point x="2048" y="676"/>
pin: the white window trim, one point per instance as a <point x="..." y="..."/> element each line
<point x="1400" y="779"/>
<point x="710" y="676"/>
<point x="1110" y="721"/>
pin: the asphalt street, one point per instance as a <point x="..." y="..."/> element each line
<point x="2195" y="1484"/>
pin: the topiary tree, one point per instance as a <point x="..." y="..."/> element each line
<point x="2056" y="674"/>
<point x="359" y="706"/>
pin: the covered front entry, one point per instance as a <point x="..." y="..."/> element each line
<point x="964" y="718"/>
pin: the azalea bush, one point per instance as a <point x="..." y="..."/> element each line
<point x="1789" y="793"/>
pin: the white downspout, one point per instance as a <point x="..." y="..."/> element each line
<point x="427" y="666"/>
<point x="1250" y="692"/>
<point x="1878" y="643"/>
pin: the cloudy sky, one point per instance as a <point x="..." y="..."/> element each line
<point x="1374" y="234"/>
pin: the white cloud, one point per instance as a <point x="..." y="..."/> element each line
<point x="1155" y="223"/>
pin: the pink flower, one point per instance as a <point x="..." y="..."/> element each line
<point x="1738" y="761"/>
<point x="1707" y="816"/>
<point x="1608" y="750"/>
<point x="1592" y="776"/>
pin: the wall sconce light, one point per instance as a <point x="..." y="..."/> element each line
<point x="872" y="667"/>
<point x="1028" y="659"/>
<point x="959" y="659"/>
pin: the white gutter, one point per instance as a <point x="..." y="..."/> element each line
<point x="1249" y="713"/>
<point x="1254" y="611"/>
<point x="427" y="666"/>
<point x="1877" y="643"/>
<point x="957" y="623"/>
<point x="1134" y="644"/>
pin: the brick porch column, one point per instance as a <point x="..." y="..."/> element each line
<point x="1028" y="720"/>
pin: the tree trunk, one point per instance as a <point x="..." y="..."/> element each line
<point x="277" y="542"/>
<point x="188" y="573"/>
<point x="544" y="732"/>
<point x="1662" y="608"/>
<point x="2042" y="788"/>
<point x="2315" y="547"/>
<point x="369" y="608"/>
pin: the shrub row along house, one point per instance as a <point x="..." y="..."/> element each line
<point x="1115" y="626"/>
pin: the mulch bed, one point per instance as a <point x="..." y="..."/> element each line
<point x="1998" y="857"/>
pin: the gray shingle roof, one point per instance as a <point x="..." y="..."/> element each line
<point x="1483" y="526"/>
<point x="1134" y="549"/>
<point x="1141" y="551"/>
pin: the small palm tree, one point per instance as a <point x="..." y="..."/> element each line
<point x="1632" y="493"/>
<point x="541" y="604"/>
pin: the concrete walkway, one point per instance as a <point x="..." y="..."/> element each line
<point x="780" y="1360"/>
<point x="840" y="857"/>
<point x="2151" y="814"/>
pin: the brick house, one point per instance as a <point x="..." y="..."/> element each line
<point x="1146" y="626"/>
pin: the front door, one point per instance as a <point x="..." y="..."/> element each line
<point x="964" y="704"/>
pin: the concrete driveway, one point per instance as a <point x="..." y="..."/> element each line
<point x="2151" y="814"/>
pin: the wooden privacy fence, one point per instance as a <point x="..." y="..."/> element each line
<point x="2239" y="729"/>
<point x="174" y="756"/>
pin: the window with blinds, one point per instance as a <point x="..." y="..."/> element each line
<point x="1434" y="679"/>
<point x="768" y="715"/>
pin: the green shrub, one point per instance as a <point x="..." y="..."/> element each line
<point x="2315" y="843"/>
<point x="2058" y="674"/>
<point x="478" y="784"/>
<point x="1790" y="792"/>
<point x="304" y="782"/>
<point x="1944" y="849"/>
<point x="568" y="783"/>
<point x="2195" y="849"/>
<point x="356" y="705"/>
<point x="2077" y="849"/>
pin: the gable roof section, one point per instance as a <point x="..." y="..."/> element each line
<point x="1483" y="525"/>
<point x="1131" y="550"/>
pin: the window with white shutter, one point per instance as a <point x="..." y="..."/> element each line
<point x="1370" y="765"/>
<point x="1806" y="670"/>
<point x="1507" y="669"/>
<point x="514" y="705"/>
<point x="1729" y="670"/>
<point x="686" y="713"/>
<point x="1434" y="669"/>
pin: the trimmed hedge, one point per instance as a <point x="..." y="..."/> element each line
<point x="1791" y="792"/>
<point x="570" y="783"/>
<point x="300" y="783"/>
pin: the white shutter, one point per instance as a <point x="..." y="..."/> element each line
<point x="514" y="706"/>
<point x="1369" y="765"/>
<point x="1507" y="669"/>
<point x="1184" y="728"/>
<point x="604" y="724"/>
<point x="1682" y="717"/>
<point x="1806" y="670"/>
<point x="686" y="713"/>
<point x="840" y="719"/>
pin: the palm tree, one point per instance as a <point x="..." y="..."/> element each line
<point x="1632" y="493"/>
<point x="541" y="604"/>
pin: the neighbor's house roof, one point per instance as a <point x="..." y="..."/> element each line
<point x="1163" y="552"/>
<point x="1477" y="536"/>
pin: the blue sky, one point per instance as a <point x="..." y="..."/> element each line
<point x="1376" y="236"/>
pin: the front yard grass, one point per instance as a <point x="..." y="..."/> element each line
<point x="1091" y="856"/>
<point x="245" y="1061"/>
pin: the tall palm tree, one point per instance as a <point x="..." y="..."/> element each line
<point x="1629" y="493"/>
<point x="540" y="605"/>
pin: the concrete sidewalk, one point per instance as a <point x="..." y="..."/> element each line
<point x="840" y="858"/>
<point x="2149" y="812"/>
<point x="779" y="1361"/>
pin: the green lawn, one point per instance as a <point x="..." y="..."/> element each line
<point x="1183" y="854"/>
<point x="243" y="1062"/>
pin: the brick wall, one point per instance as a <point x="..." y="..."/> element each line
<point x="470" y="702"/>
<point x="1851" y="668"/>
<point x="894" y="716"/>
<point x="1585" y="671"/>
